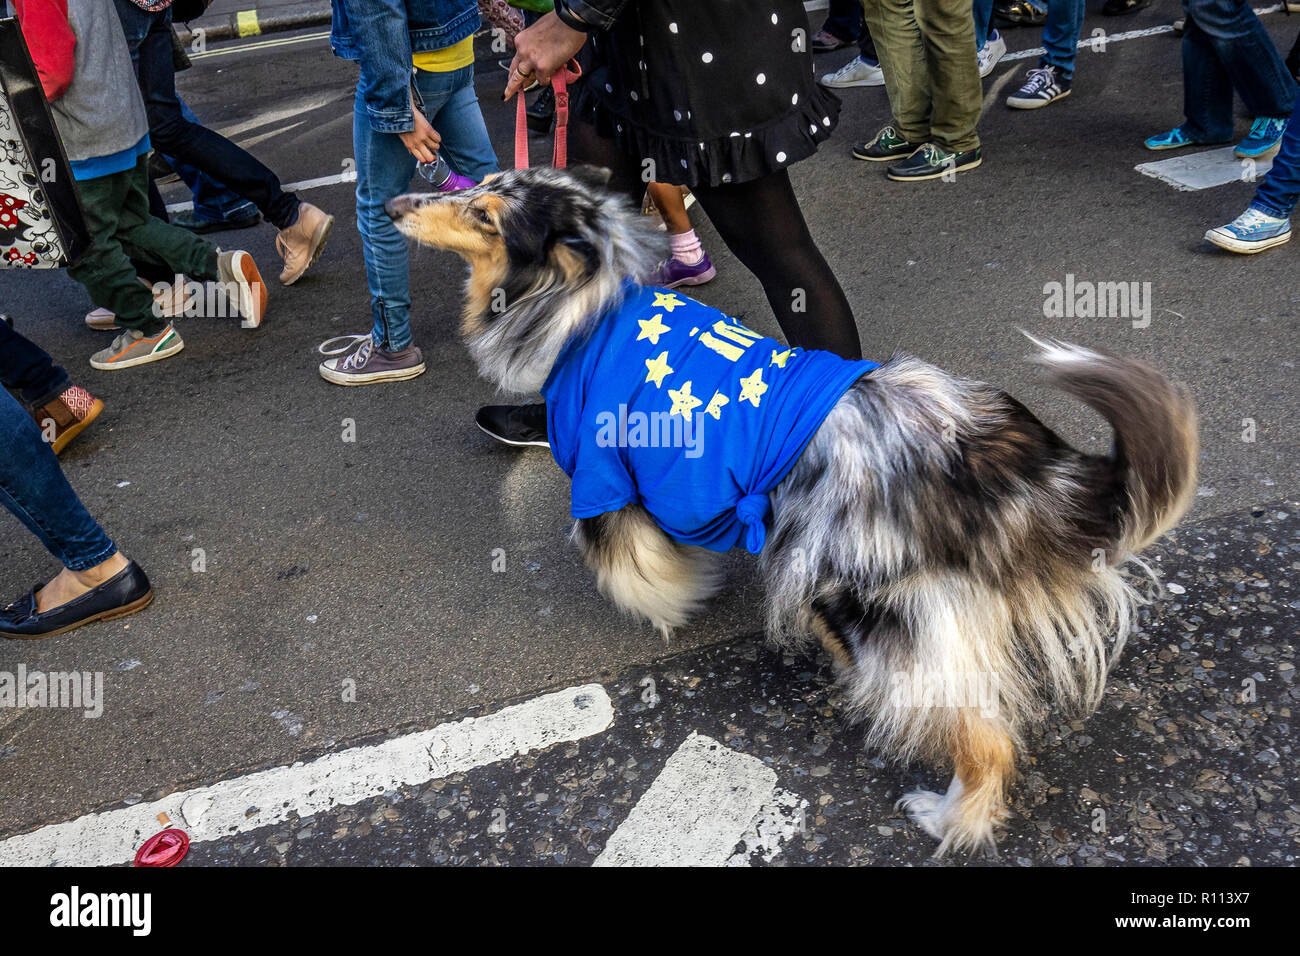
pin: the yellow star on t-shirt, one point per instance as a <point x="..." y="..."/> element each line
<point x="658" y="369"/>
<point x="652" y="328"/>
<point x="715" y="405"/>
<point x="778" y="358"/>
<point x="666" y="301"/>
<point x="753" y="387"/>
<point x="684" y="403"/>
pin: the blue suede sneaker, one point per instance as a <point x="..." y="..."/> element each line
<point x="1176" y="138"/>
<point x="1264" y="139"/>
<point x="1253" y="231"/>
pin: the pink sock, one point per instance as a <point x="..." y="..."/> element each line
<point x="687" y="248"/>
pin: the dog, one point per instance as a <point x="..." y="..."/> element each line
<point x="960" y="563"/>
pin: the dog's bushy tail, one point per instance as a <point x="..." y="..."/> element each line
<point x="1156" y="438"/>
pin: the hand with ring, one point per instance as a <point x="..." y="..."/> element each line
<point x="540" y="51"/>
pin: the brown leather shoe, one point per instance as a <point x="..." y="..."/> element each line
<point x="300" y="245"/>
<point x="62" y="418"/>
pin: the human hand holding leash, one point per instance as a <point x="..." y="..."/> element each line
<point x="540" y="51"/>
<point x="422" y="142"/>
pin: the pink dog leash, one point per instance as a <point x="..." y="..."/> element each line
<point x="559" y="83"/>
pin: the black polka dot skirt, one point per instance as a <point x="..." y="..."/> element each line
<point x="708" y="92"/>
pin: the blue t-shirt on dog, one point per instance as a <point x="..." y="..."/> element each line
<point x="674" y="405"/>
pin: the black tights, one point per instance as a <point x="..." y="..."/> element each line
<point x="761" y="223"/>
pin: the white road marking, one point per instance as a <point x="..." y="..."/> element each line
<point x="700" y="806"/>
<point x="260" y="45"/>
<point x="269" y="797"/>
<point x="776" y="823"/>
<point x="1203" y="170"/>
<point x="345" y="177"/>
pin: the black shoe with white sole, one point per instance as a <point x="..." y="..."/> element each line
<point x="933" y="162"/>
<point x="518" y="425"/>
<point x="1043" y="85"/>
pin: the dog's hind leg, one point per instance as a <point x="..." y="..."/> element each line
<point x="984" y="756"/>
<point x="642" y="570"/>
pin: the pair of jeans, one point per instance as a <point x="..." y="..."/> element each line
<point x="35" y="491"/>
<point x="27" y="369"/>
<point x="1278" y="193"/>
<point x="384" y="170"/>
<point x="1226" y="48"/>
<point x="983" y="11"/>
<point x="1061" y="35"/>
<point x="845" y="21"/>
<point x="122" y="233"/>
<point x="927" y="52"/>
<point x="148" y="36"/>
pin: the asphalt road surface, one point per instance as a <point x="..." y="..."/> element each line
<point x="348" y="595"/>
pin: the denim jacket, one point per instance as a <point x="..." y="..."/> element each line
<point x="384" y="35"/>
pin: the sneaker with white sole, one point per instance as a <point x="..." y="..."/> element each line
<point x="132" y="347"/>
<point x="238" y="272"/>
<point x="358" y="362"/>
<point x="1253" y="231"/>
<point x="1264" y="139"/>
<point x="1043" y="85"/>
<point x="857" y="72"/>
<point x="993" y="50"/>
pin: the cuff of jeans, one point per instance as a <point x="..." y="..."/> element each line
<point x="391" y="121"/>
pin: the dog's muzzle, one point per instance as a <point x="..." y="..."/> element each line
<point x="399" y="206"/>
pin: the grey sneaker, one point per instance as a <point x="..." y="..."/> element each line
<point x="132" y="347"/>
<point x="358" y="362"/>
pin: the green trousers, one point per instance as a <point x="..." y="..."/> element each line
<point x="927" y="51"/>
<point x="121" y="229"/>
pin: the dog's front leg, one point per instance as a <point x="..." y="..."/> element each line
<point x="642" y="570"/>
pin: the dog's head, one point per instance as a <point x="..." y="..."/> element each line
<point x="548" y="251"/>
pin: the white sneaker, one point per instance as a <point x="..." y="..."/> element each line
<point x="994" y="49"/>
<point x="857" y="72"/>
<point x="169" y="301"/>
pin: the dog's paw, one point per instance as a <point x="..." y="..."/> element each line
<point x="958" y="824"/>
<point x="925" y="807"/>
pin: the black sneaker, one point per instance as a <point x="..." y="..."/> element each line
<point x="932" y="162"/>
<point x="542" y="112"/>
<point x="1043" y="85"/>
<point x="517" y="425"/>
<point x="187" y="220"/>
<point x="1018" y="13"/>
<point x="885" y="145"/>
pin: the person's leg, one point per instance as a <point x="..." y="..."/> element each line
<point x="453" y="108"/>
<point x="384" y="170"/>
<point x="1207" y="90"/>
<point x="982" y="11"/>
<point x="105" y="268"/>
<point x="213" y="201"/>
<point x="34" y="490"/>
<point x="844" y="20"/>
<point x="948" y="29"/>
<point x="762" y="224"/>
<point x="901" y="53"/>
<point x="27" y="369"/>
<point x="173" y="135"/>
<point x="1061" y="35"/>
<point x="1241" y="44"/>
<point x="688" y="264"/>
<point x="148" y="239"/>
<point x="1277" y="194"/>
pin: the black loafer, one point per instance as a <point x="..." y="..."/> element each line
<point x="517" y="425"/>
<point x="124" y="593"/>
<point x="540" y="115"/>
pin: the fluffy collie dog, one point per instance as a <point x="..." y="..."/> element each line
<point x="960" y="563"/>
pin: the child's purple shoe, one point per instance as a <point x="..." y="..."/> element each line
<point x="673" y="272"/>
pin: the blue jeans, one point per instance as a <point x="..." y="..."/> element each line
<point x="148" y="37"/>
<point x="384" y="170"/>
<point x="33" y="489"/>
<point x="1061" y="35"/>
<point x="983" y="10"/>
<point x="213" y="202"/>
<point x="1280" y="189"/>
<point x="1226" y="48"/>
<point x="27" y="369"/>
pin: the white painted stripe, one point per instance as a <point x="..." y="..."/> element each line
<point x="1206" y="169"/>
<point x="269" y="797"/>
<point x="347" y="177"/>
<point x="699" y="807"/>
<point x="777" y="822"/>
<point x="260" y="45"/>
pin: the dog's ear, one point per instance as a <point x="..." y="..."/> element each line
<point x="595" y="177"/>
<point x="583" y="251"/>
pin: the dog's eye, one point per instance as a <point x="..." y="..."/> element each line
<point x="482" y="215"/>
